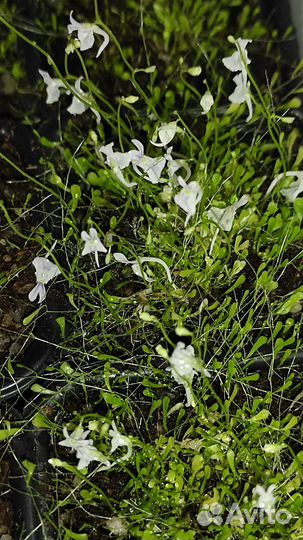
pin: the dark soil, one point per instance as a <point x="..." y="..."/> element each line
<point x="16" y="271"/>
<point x="6" y="511"/>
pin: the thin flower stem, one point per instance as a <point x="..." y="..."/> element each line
<point x="96" y="10"/>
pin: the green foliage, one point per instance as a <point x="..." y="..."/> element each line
<point x="235" y="295"/>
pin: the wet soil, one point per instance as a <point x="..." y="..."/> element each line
<point x="6" y="510"/>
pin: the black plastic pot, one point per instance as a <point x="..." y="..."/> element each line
<point x="28" y="499"/>
<point x="38" y="354"/>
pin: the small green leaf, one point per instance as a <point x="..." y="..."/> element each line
<point x="41" y="390"/>
<point x="287" y="306"/>
<point x="61" y="323"/>
<point x="40" y="421"/>
<point x="6" y="433"/>
<point x="74" y="536"/>
<point x="262" y="415"/>
<point x="231" y="460"/>
<point x="186" y="535"/>
<point x="31" y="317"/>
<point x="30" y="467"/>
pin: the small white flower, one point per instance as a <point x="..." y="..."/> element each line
<point x="295" y="188"/>
<point x="87" y="454"/>
<point x="117" y="526"/>
<point x="188" y="198"/>
<point x="119" y="440"/>
<point x="174" y="165"/>
<point x="206" y="102"/>
<point x="86" y="33"/>
<point x="184" y="365"/>
<point x="85" y="451"/>
<point x="76" y="439"/>
<point x="45" y="272"/>
<point x="266" y="499"/>
<point x="118" y="161"/>
<point x="239" y="59"/>
<point x="224" y="217"/>
<point x="166" y="133"/>
<point x="153" y="167"/>
<point x="241" y="94"/>
<point x="52" y="87"/>
<point x="135" y="265"/>
<point x="77" y="106"/>
<point x="92" y="244"/>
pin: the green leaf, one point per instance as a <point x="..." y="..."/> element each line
<point x="185" y="535"/>
<point x="61" y="323"/>
<point x="74" y="536"/>
<point x="287" y="306"/>
<point x="6" y="433"/>
<point x="31" y="317"/>
<point x="231" y="460"/>
<point x="41" y="390"/>
<point x="30" y="467"/>
<point x="113" y="400"/>
<point x="40" y="421"/>
<point x="262" y="415"/>
<point x="262" y="340"/>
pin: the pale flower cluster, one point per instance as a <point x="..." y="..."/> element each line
<point x="81" y="100"/>
<point x="85" y="450"/>
<point x="152" y="168"/>
<point x="238" y="63"/>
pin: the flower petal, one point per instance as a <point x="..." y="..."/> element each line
<point x="86" y="38"/>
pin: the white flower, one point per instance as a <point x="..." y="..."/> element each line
<point x="153" y="167"/>
<point x="266" y="499"/>
<point x="92" y="244"/>
<point x="224" y="217"/>
<point x="118" y="161"/>
<point x="238" y="61"/>
<point x="86" y="33"/>
<point x="76" y="439"/>
<point x="77" y="106"/>
<point x="184" y="365"/>
<point x="294" y="190"/>
<point x="166" y="133"/>
<point x="117" y="526"/>
<point x="52" y="87"/>
<point x="45" y="271"/>
<point x="174" y="165"/>
<point x="188" y="198"/>
<point x="120" y="440"/>
<point x="135" y="265"/>
<point x="85" y="451"/>
<point x="241" y="94"/>
<point x="206" y="102"/>
<point x="88" y="453"/>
